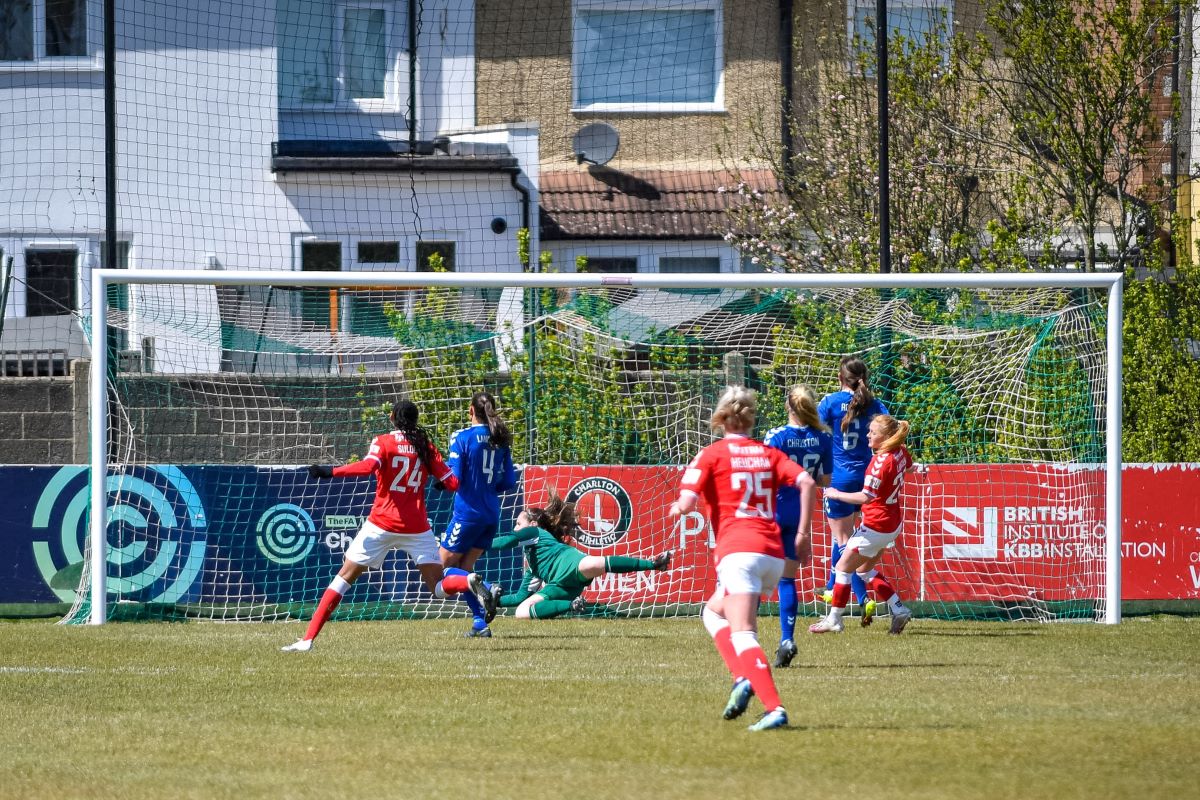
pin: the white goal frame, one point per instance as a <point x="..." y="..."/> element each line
<point x="103" y="278"/>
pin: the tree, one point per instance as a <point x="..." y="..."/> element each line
<point x="955" y="202"/>
<point x="1074" y="82"/>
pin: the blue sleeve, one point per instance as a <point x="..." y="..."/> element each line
<point x="457" y="454"/>
<point x="508" y="474"/>
<point x="882" y="408"/>
<point x="825" y="412"/>
<point x="770" y="440"/>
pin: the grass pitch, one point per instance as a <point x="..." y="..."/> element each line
<point x="595" y="709"/>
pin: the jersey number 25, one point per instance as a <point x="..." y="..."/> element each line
<point x="757" y="497"/>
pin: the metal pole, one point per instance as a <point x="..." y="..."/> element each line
<point x="1112" y="493"/>
<point x="98" y="389"/>
<point x="881" y="91"/>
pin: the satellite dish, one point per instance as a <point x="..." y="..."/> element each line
<point x="595" y="143"/>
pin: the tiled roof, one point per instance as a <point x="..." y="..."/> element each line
<point x="602" y="203"/>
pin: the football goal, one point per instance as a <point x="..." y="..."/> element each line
<point x="217" y="389"/>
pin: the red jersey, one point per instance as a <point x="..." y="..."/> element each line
<point x="883" y="483"/>
<point x="399" y="482"/>
<point x="737" y="477"/>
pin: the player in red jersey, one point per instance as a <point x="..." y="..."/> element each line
<point x="737" y="476"/>
<point x="401" y="462"/>
<point x="882" y="521"/>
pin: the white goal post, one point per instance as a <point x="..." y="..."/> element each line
<point x="1106" y="387"/>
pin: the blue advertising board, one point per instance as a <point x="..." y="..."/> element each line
<point x="177" y="534"/>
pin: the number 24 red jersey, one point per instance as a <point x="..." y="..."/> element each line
<point x="737" y="477"/>
<point x="399" y="482"/>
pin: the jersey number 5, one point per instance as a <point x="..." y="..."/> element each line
<point x="757" y="497"/>
<point x="402" y="466"/>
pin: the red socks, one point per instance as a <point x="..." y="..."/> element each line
<point x="882" y="589"/>
<point x="329" y="602"/>
<point x="454" y="584"/>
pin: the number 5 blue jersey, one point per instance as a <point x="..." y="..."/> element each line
<point x="851" y="453"/>
<point x="483" y="473"/>
<point x="808" y="447"/>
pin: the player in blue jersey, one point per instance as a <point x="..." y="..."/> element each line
<point x="481" y="459"/>
<point x="808" y="443"/>
<point x="848" y="413"/>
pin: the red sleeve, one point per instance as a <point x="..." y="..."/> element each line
<point x="441" y="472"/>
<point x="364" y="467"/>
<point x="881" y="475"/>
<point x="697" y="473"/>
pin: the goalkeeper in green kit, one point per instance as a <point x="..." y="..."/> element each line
<point x="555" y="572"/>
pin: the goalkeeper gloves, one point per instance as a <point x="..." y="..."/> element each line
<point x="320" y="471"/>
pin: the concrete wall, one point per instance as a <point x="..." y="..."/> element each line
<point x="45" y="420"/>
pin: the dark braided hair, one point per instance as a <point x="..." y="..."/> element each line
<point x="557" y="518"/>
<point x="484" y="406"/>
<point x="404" y="417"/>
<point x="853" y="373"/>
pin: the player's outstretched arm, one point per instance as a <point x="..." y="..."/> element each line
<point x="319" y="471"/>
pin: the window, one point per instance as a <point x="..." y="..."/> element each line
<point x="444" y="250"/>
<point x="675" y="265"/>
<point x="379" y="253"/>
<point x="34" y="30"/>
<point x="314" y="303"/>
<point x="51" y="282"/>
<point x="915" y="20"/>
<point x="367" y="57"/>
<point x="610" y="265"/>
<point x="648" y="55"/>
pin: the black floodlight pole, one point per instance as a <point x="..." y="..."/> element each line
<point x="110" y="139"/>
<point x="881" y="91"/>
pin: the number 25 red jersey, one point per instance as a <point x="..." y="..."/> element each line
<point x="737" y="477"/>
<point x="399" y="482"/>
<point x="883" y="484"/>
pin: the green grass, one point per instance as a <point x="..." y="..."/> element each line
<point x="596" y="709"/>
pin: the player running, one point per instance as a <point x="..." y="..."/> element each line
<point x="738" y="478"/>
<point x="481" y="460"/>
<point x="806" y="442"/>
<point x="847" y="413"/>
<point x="882" y="521"/>
<point x="555" y="572"/>
<point x="401" y="462"/>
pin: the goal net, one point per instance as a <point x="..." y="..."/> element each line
<point x="219" y="389"/>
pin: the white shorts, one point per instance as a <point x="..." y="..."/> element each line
<point x="749" y="573"/>
<point x="372" y="544"/>
<point x="871" y="543"/>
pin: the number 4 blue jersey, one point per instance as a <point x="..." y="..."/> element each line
<point x="808" y="447"/>
<point x="851" y="453"/>
<point x="483" y="473"/>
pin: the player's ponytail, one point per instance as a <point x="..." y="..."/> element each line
<point x="853" y="374"/>
<point x="736" y="410"/>
<point x="557" y="517"/>
<point x="802" y="405"/>
<point x="896" y="431"/>
<point x="404" y="417"/>
<point x="483" y="405"/>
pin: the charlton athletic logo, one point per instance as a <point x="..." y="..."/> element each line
<point x="603" y="509"/>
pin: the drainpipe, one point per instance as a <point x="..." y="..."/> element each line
<point x="412" y="77"/>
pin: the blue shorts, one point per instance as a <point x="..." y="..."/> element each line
<point x="462" y="537"/>
<point x="787" y="532"/>
<point x="836" y="509"/>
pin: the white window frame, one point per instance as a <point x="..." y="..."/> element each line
<point x="91" y="61"/>
<point x="718" y="103"/>
<point x="392" y="96"/>
<point x="853" y="6"/>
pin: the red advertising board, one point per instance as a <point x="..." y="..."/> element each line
<point x="1009" y="531"/>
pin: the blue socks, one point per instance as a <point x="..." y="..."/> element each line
<point x="787" y="608"/>
<point x="470" y="599"/>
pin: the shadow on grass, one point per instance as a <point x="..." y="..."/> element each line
<point x="989" y="632"/>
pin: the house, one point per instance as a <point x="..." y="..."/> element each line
<point x="294" y="135"/>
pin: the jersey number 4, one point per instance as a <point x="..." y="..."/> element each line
<point x="488" y="464"/>
<point x="757" y="495"/>
<point x="407" y="479"/>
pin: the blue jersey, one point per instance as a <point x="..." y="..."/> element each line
<point x="851" y="453"/>
<point x="808" y="447"/>
<point x="483" y="473"/>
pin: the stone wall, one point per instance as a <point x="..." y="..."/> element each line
<point x="45" y="420"/>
